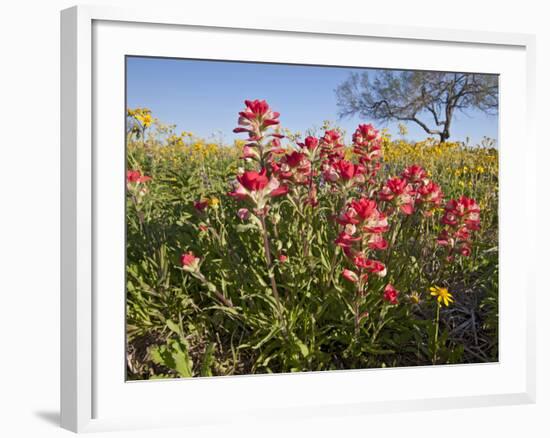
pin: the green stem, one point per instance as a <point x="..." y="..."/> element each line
<point x="356" y="308"/>
<point x="269" y="263"/>
<point x="436" y="334"/>
<point x="212" y="288"/>
<point x="332" y="268"/>
<point x="308" y="216"/>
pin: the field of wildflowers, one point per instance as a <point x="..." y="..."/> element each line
<point x="280" y="253"/>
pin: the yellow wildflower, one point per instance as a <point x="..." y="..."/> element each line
<point x="414" y="297"/>
<point x="442" y="294"/>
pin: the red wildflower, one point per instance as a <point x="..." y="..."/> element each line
<point x="364" y="207"/>
<point x="430" y="193"/>
<point x="414" y="173"/>
<point x="294" y="166"/>
<point x="332" y="136"/>
<point x="189" y="261"/>
<point x="243" y="213"/>
<point x="462" y="233"/>
<point x="275" y="147"/>
<point x="250" y="152"/>
<point x="278" y="191"/>
<point x="360" y="261"/>
<point x="364" y="211"/>
<point x="347" y="170"/>
<point x="294" y="159"/>
<point x="253" y="181"/>
<point x="390" y="294"/>
<point x="443" y="238"/>
<point x="331" y="147"/>
<point x="310" y="143"/>
<point x="464" y="210"/>
<point x="449" y="218"/>
<point x="394" y="186"/>
<point x="345" y="240"/>
<point x="400" y="192"/>
<point x="362" y="215"/>
<point x="465" y="250"/>
<point x="135" y="176"/>
<point x="368" y="146"/>
<point x="365" y="134"/>
<point x="376" y="241"/>
<point x="373" y="266"/>
<point x="376" y="267"/>
<point x="350" y="276"/>
<point x="461" y="218"/>
<point x="256" y="119"/>
<point x="259" y="111"/>
<point x="201" y="205"/>
<point x="256" y="186"/>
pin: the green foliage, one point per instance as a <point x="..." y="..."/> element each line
<point x="175" y="356"/>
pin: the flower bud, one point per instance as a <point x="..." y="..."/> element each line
<point x="276" y="218"/>
<point x="350" y="276"/>
<point x="243" y="213"/>
<point x="190" y="262"/>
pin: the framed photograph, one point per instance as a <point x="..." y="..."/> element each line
<point x="271" y="217"/>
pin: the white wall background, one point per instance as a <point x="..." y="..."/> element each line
<point x="29" y="215"/>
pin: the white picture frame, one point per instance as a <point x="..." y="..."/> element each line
<point x="91" y="391"/>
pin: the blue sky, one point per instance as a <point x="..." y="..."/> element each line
<point x="204" y="97"/>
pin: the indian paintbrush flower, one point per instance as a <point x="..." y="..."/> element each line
<point x="135" y="177"/>
<point x="350" y="276"/>
<point x="190" y="262"/>
<point x="400" y="192"/>
<point x="257" y="187"/>
<point x="460" y="219"/>
<point x="243" y="213"/>
<point x="201" y="205"/>
<point x="390" y="294"/>
<point x="256" y="117"/>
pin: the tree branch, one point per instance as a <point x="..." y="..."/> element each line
<point x="432" y="110"/>
<point x="424" y="126"/>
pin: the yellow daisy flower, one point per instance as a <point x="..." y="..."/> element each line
<point x="442" y="294"/>
<point x="414" y="297"/>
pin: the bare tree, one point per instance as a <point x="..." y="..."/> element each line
<point x="428" y="99"/>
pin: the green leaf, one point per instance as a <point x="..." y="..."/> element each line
<point x="182" y="360"/>
<point x="241" y="228"/>
<point x="174" y="327"/>
<point x="272" y="333"/>
<point x="379" y="351"/>
<point x="208" y="360"/>
<point x="303" y="348"/>
<point x="174" y="356"/>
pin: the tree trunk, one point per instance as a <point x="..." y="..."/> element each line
<point x="443" y="136"/>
